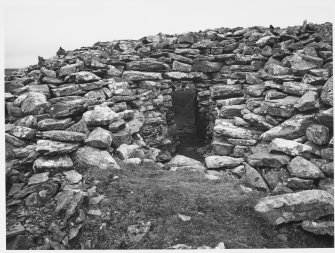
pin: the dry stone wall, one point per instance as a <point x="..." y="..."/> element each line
<point x="265" y="96"/>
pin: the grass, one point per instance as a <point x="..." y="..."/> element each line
<point x="220" y="211"/>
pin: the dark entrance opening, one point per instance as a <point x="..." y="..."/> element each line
<point x="190" y="128"/>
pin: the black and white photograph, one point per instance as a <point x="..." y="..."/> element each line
<point x="167" y="125"/>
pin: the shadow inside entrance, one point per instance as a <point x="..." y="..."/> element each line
<point x="190" y="125"/>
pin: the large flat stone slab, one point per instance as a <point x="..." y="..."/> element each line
<point x="303" y="205"/>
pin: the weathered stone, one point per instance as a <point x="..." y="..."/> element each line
<point x="327" y="184"/>
<point x="126" y="151"/>
<point x="89" y="157"/>
<point x="14" y="141"/>
<point x="242" y="142"/>
<point x="72" y="176"/>
<point x="39" y="178"/>
<point x="302" y="168"/>
<point x="325" y="117"/>
<point x="319" y="227"/>
<point x="54" y="124"/>
<point x="99" y="138"/>
<point x="67" y="90"/>
<point x="187" y="51"/>
<point x="28" y="121"/>
<point x="253" y="178"/>
<point x="148" y="65"/>
<point x="182" y="67"/>
<point x="292" y="128"/>
<point x="289" y="147"/>
<point x="23" y="132"/>
<point x="327" y="153"/>
<point x="69" y="201"/>
<point x="180" y="162"/>
<point x="85" y="77"/>
<point x="221" y="148"/>
<point x="309" y="101"/>
<point x="123" y="136"/>
<point x="47" y="147"/>
<point x="327" y="92"/>
<point x="53" y="163"/>
<point x="230" y="130"/>
<point x="255" y="90"/>
<point x="277" y="70"/>
<point x="100" y="116"/>
<point x="230" y="101"/>
<point x="310" y="204"/>
<point x="280" y="107"/>
<point x="296" y="88"/>
<point x="138" y="76"/>
<point x="318" y="134"/>
<point x="207" y="66"/>
<point x="216" y="162"/>
<point x="63" y="135"/>
<point x="35" y="103"/>
<point x="79" y="127"/>
<point x="299" y="183"/>
<point x="117" y="126"/>
<point x="231" y="111"/>
<point x="226" y="91"/>
<point x="68" y="69"/>
<point x="262" y="158"/>
<point x="328" y="169"/>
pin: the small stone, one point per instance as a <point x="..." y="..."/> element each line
<point x="39" y="178"/>
<point x="300" y="167"/>
<point x="289" y="147"/>
<point x="99" y="138"/>
<point x="72" y="176"/>
<point x="327" y="92"/>
<point x="53" y="163"/>
<point x="309" y="101"/>
<point x="253" y="178"/>
<point x="299" y="183"/>
<point x="23" y="132"/>
<point x="85" y="77"/>
<point x="63" y="135"/>
<point x="318" y="134"/>
<point x="216" y="162"/>
<point x="47" y="147"/>
<point x="319" y="227"/>
<point x="100" y="116"/>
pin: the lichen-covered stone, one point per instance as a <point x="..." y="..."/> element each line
<point x="302" y="168"/>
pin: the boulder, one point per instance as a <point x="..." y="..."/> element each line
<point x="302" y="168"/>
<point x="99" y="138"/>
<point x="216" y="162"/>
<point x="289" y="147"/>
<point x="303" y="205"/>
<point x="100" y="116"/>
<point x="94" y="158"/>
<point x="318" y="134"/>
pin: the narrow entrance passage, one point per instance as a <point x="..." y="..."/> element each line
<point x="189" y="126"/>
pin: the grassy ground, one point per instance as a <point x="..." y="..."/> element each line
<point x="220" y="212"/>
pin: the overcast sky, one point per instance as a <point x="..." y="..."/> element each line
<point x="38" y="27"/>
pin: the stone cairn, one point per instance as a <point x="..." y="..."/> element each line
<point x="265" y="95"/>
